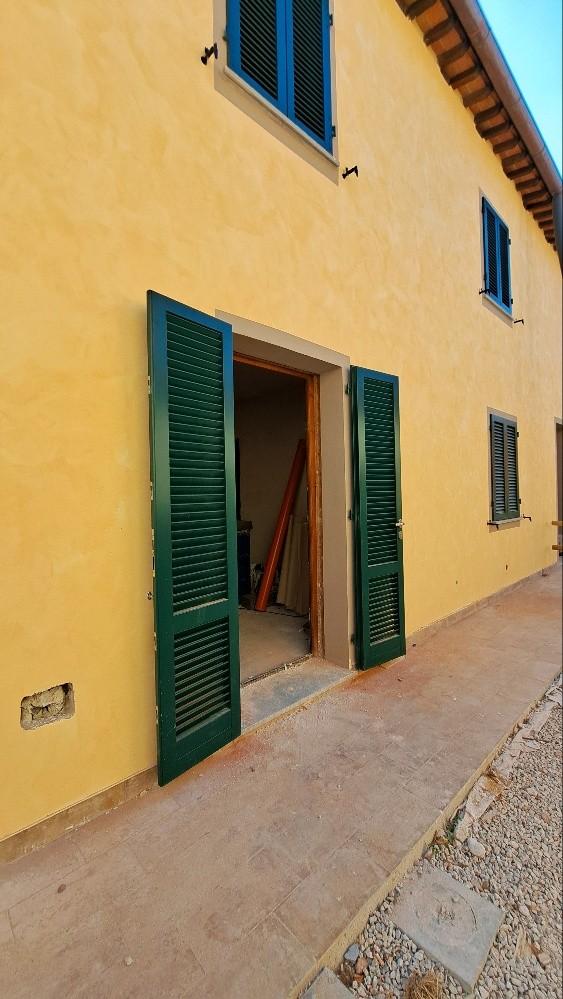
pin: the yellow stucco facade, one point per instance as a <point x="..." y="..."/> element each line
<point x="129" y="165"/>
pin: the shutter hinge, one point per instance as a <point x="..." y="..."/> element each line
<point x="353" y="639"/>
<point x="348" y="388"/>
<point x="149" y="383"/>
<point x="517" y="433"/>
<point x="509" y="241"/>
<point x="333" y="131"/>
<point x="350" y="515"/>
<point x="156" y="712"/>
<point x="331" y="20"/>
<point x="152" y="495"/>
<point x="154" y="636"/>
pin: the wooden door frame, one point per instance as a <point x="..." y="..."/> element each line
<point x="314" y="504"/>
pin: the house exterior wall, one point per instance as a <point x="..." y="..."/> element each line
<point x="130" y="166"/>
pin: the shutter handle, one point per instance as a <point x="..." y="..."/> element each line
<point x="400" y="524"/>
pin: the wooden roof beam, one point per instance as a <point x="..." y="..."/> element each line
<point x="441" y="29"/>
<point x="452" y="55"/>
<point x="543" y="213"/>
<point x="535" y="183"/>
<point x="482" y="116"/>
<point x="466" y="76"/>
<point x="478" y="95"/>
<point x="489" y="133"/>
<point x="419" y="7"/>
<point x="533" y="200"/>
<point x="503" y="147"/>
<point x="509" y="161"/>
<point x="521" y="172"/>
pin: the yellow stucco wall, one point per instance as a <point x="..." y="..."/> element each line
<point x="125" y="168"/>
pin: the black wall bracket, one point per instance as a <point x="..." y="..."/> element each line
<point x="524" y="517"/>
<point x="516" y="321"/>
<point x="207" y="53"/>
<point x="350" y="170"/>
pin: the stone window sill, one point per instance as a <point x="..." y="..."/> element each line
<point x="235" y="78"/>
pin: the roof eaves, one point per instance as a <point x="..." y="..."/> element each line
<point x="472" y="62"/>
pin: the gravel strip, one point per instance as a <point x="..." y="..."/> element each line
<point x="521" y="872"/>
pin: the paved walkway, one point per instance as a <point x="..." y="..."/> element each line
<point x="234" y="880"/>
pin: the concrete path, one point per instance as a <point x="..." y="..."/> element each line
<point x="232" y="882"/>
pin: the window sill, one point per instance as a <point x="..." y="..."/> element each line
<point x="235" y="78"/>
<point x="503" y="313"/>
<point x="509" y="522"/>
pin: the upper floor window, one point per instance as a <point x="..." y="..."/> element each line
<point x="496" y="258"/>
<point x="282" y="49"/>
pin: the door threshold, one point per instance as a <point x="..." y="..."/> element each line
<point x="277" y="695"/>
<point x="276" y="669"/>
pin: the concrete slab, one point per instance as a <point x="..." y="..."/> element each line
<point x="327" y="986"/>
<point x="454" y="925"/>
<point x="277" y="692"/>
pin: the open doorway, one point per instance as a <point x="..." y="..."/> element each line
<point x="276" y="516"/>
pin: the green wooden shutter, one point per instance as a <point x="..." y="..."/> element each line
<point x="194" y="534"/>
<point x="380" y="619"/>
<point x="512" y="497"/>
<point x="504" y="468"/>
<point x="497" y="468"/>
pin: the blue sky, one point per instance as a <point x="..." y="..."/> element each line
<point x="529" y="34"/>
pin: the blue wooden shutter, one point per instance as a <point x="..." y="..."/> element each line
<point x="194" y="534"/>
<point x="308" y="67"/>
<point x="496" y="257"/>
<point x="256" y="35"/>
<point x="380" y="624"/>
<point x="490" y="250"/>
<point x="504" y="264"/>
